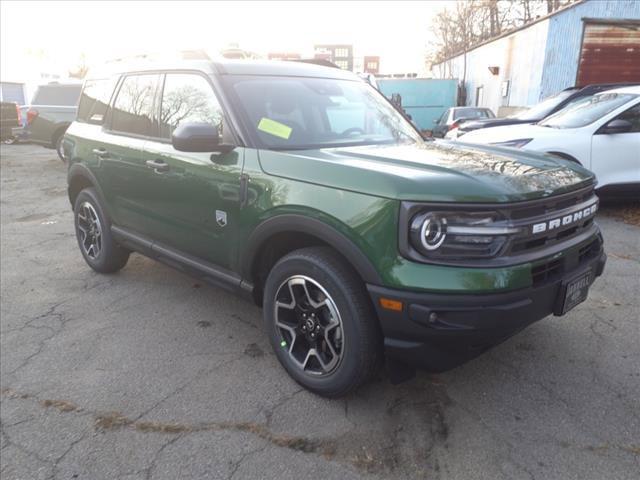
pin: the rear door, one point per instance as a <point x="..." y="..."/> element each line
<point x="194" y="197"/>
<point x="123" y="173"/>
<point x="615" y="157"/>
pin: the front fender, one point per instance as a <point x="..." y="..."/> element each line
<point x="310" y="226"/>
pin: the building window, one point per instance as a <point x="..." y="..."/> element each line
<point x="343" y="64"/>
<point x="341" y="52"/>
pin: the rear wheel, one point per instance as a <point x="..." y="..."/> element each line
<point x="320" y="322"/>
<point x="93" y="233"/>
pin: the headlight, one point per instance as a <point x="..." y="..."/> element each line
<point x="459" y="235"/>
<point x="518" y="143"/>
<point x="431" y="229"/>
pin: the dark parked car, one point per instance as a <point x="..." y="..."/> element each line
<point x="542" y="110"/>
<point x="454" y="117"/>
<point x="9" y="120"/>
<point x="53" y="107"/>
<point x="302" y="188"/>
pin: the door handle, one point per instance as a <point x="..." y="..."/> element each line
<point x="100" y="153"/>
<point x="158" y="165"/>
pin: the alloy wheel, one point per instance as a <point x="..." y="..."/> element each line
<point x="90" y="230"/>
<point x="309" y="325"/>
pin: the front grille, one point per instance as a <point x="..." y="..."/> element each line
<point x="544" y="214"/>
<point x="547" y="271"/>
<point x="589" y="251"/>
<point x="553" y="269"/>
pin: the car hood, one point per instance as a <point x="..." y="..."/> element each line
<point x="431" y="171"/>
<point x="491" y="122"/>
<point x="511" y="132"/>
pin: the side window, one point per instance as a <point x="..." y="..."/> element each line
<point x="443" y="118"/>
<point x="133" y="107"/>
<point x="632" y="115"/>
<point x="94" y="100"/>
<point x="187" y="98"/>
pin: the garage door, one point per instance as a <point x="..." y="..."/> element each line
<point x="610" y="52"/>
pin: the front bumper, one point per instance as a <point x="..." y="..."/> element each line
<point x="437" y="332"/>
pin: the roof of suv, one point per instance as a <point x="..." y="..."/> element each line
<point x="222" y="66"/>
<point x="283" y="68"/>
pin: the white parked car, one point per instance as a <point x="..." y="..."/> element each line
<point x="602" y="132"/>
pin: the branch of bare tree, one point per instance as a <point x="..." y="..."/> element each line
<point x="466" y="23"/>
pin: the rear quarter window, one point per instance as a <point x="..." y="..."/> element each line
<point x="60" y="95"/>
<point x="94" y="100"/>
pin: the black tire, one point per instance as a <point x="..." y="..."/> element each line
<point x="108" y="256"/>
<point x="361" y="353"/>
<point x="58" y="146"/>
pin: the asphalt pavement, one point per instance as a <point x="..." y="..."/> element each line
<point x="150" y="374"/>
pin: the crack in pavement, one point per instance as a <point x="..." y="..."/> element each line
<point x="357" y="451"/>
<point x="51" y="312"/>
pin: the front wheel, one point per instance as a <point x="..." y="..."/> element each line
<point x="320" y="322"/>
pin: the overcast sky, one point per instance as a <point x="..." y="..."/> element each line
<point x="46" y="35"/>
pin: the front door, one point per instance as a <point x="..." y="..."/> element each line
<point x="195" y="203"/>
<point x="120" y="153"/>
<point x="615" y="157"/>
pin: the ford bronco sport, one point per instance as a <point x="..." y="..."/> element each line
<point x="303" y="189"/>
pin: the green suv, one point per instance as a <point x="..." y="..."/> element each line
<point x="301" y="188"/>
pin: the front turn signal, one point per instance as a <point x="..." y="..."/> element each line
<point x="389" y="304"/>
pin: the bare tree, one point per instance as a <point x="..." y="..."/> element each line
<point x="553" y="5"/>
<point x="466" y="23"/>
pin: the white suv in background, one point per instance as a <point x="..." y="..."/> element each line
<point x="602" y="132"/>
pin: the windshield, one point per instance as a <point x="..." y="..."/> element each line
<point x="472" y="113"/>
<point x="542" y="109"/>
<point x="302" y="112"/>
<point x="588" y="111"/>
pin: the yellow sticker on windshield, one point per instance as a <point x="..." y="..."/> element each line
<point x="274" y="128"/>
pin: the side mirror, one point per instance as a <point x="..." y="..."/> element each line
<point x="617" y="126"/>
<point x="199" y="137"/>
<point x="195" y="137"/>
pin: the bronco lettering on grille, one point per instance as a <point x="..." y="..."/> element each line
<point x="564" y="220"/>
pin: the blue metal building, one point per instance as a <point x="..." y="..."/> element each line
<point x="521" y="67"/>
<point x="424" y="99"/>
